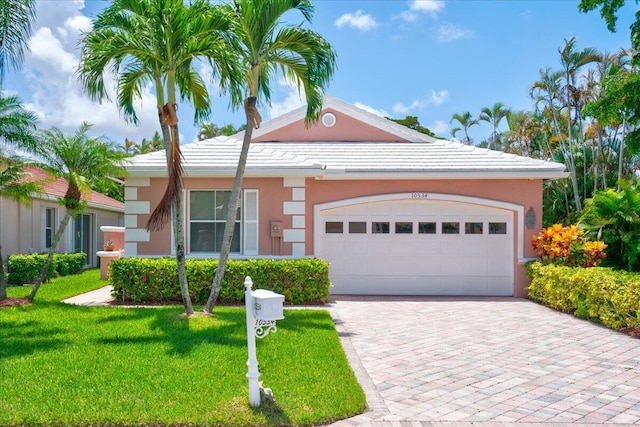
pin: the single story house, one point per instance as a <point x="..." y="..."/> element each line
<point x="31" y="229"/>
<point x="392" y="210"/>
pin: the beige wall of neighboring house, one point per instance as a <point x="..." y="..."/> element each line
<point x="30" y="229"/>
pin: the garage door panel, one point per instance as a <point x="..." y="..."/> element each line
<point x="415" y="263"/>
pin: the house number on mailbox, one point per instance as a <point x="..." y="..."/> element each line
<point x="419" y="195"/>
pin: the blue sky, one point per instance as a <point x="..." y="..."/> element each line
<point x="426" y="58"/>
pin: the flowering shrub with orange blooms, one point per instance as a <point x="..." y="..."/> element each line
<point x="565" y="246"/>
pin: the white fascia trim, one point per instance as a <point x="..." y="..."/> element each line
<point x="519" y="209"/>
<point x="214" y="172"/>
<point x="337" y="174"/>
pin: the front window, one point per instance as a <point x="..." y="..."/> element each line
<point x="207" y="217"/>
<point x="49" y="226"/>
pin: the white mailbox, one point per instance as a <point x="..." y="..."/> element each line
<point x="267" y="305"/>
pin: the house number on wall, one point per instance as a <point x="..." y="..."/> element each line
<point x="419" y="195"/>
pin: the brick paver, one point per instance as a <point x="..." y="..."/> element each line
<point x="491" y="362"/>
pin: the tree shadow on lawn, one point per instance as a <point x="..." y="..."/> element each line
<point x="183" y="334"/>
<point x="19" y="339"/>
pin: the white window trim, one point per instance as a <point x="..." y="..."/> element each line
<point x="187" y="219"/>
<point x="247" y="221"/>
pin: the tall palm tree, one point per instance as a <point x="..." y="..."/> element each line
<point x="465" y="120"/>
<point x="572" y="61"/>
<point x="16" y="23"/>
<point x="266" y="45"/>
<point x="156" y="42"/>
<point x="494" y="116"/>
<point x="80" y="160"/>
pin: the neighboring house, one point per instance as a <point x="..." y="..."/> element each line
<point x="31" y="229"/>
<point x="394" y="211"/>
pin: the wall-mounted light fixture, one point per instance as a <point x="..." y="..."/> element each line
<point x="530" y="218"/>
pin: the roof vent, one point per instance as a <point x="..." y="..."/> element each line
<point x="328" y="119"/>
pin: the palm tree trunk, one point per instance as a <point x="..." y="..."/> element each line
<point x="3" y="281"/>
<point x="54" y="244"/>
<point x="178" y="222"/>
<point x="178" y="231"/>
<point x="621" y="157"/>
<point x="233" y="207"/>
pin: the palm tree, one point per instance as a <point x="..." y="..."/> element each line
<point x="156" y="42"/>
<point x="16" y="23"/>
<point x="265" y="45"/>
<point x="208" y="130"/>
<point x="494" y="116"/>
<point x="465" y="120"/>
<point x="81" y="161"/>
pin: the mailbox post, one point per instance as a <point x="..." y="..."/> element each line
<point x="263" y="309"/>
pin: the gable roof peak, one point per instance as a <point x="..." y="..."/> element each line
<point x="332" y="103"/>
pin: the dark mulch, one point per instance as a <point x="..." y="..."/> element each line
<point x="14" y="302"/>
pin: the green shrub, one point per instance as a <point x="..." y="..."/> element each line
<point x="26" y="268"/>
<point x="71" y="263"/>
<point x="301" y="281"/>
<point x="608" y="296"/>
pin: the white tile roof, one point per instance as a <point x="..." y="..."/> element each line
<point x="441" y="159"/>
<point x="423" y="157"/>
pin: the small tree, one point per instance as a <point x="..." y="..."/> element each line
<point x="80" y="160"/>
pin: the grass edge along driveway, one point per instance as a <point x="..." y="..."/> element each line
<point x="74" y="365"/>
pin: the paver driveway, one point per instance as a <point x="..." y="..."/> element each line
<point x="486" y="361"/>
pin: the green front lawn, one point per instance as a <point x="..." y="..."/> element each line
<point x="70" y="365"/>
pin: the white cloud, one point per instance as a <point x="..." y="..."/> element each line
<point x="438" y="98"/>
<point x="400" y="108"/>
<point x="381" y="113"/>
<point x="292" y="100"/>
<point x="417" y="7"/>
<point x="47" y="50"/>
<point x="430" y="6"/>
<point x="57" y="96"/>
<point x="451" y="32"/>
<point x="439" y="127"/>
<point x="359" y="20"/>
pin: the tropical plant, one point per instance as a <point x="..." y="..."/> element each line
<point x="16" y="23"/>
<point x="614" y="216"/>
<point x="208" y="130"/>
<point x="80" y="160"/>
<point x="566" y="246"/>
<point x="265" y="45"/>
<point x="156" y="42"/>
<point x="494" y="116"/>
<point x="465" y="120"/>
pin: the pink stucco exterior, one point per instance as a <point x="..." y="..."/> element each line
<point x="315" y="170"/>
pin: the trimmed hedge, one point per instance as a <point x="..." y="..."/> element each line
<point x="611" y="297"/>
<point x="26" y="268"/>
<point x="301" y="281"/>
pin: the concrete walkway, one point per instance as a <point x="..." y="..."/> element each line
<point x="100" y="296"/>
<point x="485" y="362"/>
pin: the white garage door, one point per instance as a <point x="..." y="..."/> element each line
<point x="417" y="247"/>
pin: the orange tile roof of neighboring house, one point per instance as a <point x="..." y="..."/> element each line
<point x="57" y="187"/>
